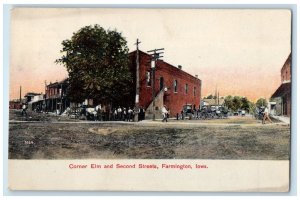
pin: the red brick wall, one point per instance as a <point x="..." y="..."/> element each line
<point x="286" y="70"/>
<point x="286" y="76"/>
<point x="288" y="101"/>
<point x="173" y="100"/>
<point x="15" y="105"/>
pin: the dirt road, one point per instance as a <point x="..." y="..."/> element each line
<point x="184" y="140"/>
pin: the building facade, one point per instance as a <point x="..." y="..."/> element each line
<point x="15" y="104"/>
<point x="56" y="96"/>
<point x="172" y="86"/>
<point x="282" y="96"/>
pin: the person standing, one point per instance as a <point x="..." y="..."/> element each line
<point x="124" y="116"/>
<point x="164" y="114"/>
<point x="24" y="108"/>
<point x="115" y="114"/>
<point x="119" y="113"/>
<point x="99" y="112"/>
<point x="266" y="116"/>
<point x="129" y="117"/>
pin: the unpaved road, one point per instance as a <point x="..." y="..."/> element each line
<point x="52" y="140"/>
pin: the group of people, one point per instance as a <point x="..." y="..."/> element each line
<point x="100" y="113"/>
<point x="127" y="114"/>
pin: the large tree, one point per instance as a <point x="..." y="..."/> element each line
<point x="261" y="102"/>
<point x="97" y="62"/>
<point x="236" y="102"/>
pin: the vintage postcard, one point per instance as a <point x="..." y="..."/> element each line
<point x="112" y="99"/>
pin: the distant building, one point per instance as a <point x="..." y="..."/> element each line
<point x="16" y="104"/>
<point x="30" y="96"/>
<point x="282" y="96"/>
<point x="56" y="96"/>
<point x="36" y="102"/>
<point x="213" y="102"/>
<point x="173" y="86"/>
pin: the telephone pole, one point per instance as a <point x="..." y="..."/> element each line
<point x="154" y="57"/>
<point x="137" y="87"/>
<point x="20" y="94"/>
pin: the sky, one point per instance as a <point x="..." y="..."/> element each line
<point x="239" y="52"/>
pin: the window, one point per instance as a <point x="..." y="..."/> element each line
<point x="186" y="88"/>
<point x="161" y="83"/>
<point x="148" y="79"/>
<point x="175" y="85"/>
<point x="194" y="91"/>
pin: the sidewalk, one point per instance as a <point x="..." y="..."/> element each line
<point x="284" y="119"/>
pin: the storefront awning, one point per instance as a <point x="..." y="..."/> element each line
<point x="283" y="89"/>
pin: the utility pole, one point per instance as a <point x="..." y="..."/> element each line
<point x="61" y="96"/>
<point x="216" y="101"/>
<point x="154" y="57"/>
<point x="20" y="94"/>
<point x="137" y="89"/>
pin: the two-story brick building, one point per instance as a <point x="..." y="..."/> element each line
<point x="56" y="96"/>
<point x="173" y="87"/>
<point x="282" y="96"/>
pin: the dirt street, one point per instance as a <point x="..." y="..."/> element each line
<point x="190" y="139"/>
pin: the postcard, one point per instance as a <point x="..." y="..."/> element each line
<point x="132" y="99"/>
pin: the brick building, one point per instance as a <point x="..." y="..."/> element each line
<point x="282" y="96"/>
<point x="173" y="86"/>
<point x="56" y="96"/>
<point x="15" y="104"/>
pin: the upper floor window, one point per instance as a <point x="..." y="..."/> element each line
<point x="194" y="91"/>
<point x="186" y="88"/>
<point x="175" y="85"/>
<point x="148" y="78"/>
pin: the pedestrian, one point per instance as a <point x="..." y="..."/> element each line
<point x="115" y="114"/>
<point x="119" y="110"/>
<point x="266" y="116"/>
<point x="141" y="114"/>
<point x="129" y="116"/>
<point x="124" y="116"/>
<point x="198" y="113"/>
<point x="99" y="112"/>
<point x="24" y="108"/>
<point x="164" y="113"/>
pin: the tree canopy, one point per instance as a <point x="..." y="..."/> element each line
<point x="261" y="102"/>
<point x="97" y="63"/>
<point x="236" y="102"/>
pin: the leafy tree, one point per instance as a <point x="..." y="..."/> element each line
<point x="261" y="102"/>
<point x="245" y="104"/>
<point x="228" y="102"/>
<point x="251" y="107"/>
<point x="237" y="103"/>
<point x="97" y="62"/>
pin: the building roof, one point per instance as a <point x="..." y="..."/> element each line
<point x="31" y="94"/>
<point x="287" y="62"/>
<point x="57" y="83"/>
<point x="134" y="52"/>
<point x="282" y="90"/>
